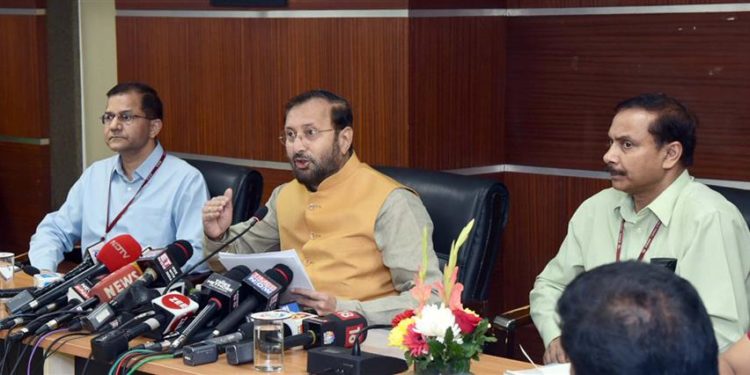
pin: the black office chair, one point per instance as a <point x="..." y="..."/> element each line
<point x="246" y="183"/>
<point x="452" y="200"/>
<point x="738" y="197"/>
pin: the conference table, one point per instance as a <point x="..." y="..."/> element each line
<point x="295" y="361"/>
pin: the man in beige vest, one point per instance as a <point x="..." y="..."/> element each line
<point x="357" y="231"/>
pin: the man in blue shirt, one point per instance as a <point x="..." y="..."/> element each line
<point x="142" y="191"/>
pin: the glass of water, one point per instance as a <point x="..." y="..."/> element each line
<point x="6" y="265"/>
<point x="268" y="337"/>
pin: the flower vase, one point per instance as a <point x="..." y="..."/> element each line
<point x="454" y="367"/>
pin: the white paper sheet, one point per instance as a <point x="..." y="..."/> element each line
<point x="266" y="261"/>
<point x="556" y="369"/>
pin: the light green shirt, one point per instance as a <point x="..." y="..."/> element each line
<point x="700" y="228"/>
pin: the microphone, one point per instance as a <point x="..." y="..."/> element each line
<point x="340" y="359"/>
<point x="266" y="288"/>
<point x="118" y="252"/>
<point x="161" y="267"/>
<point x="173" y="309"/>
<point x="138" y="296"/>
<point x="124" y="320"/>
<point x="223" y="295"/>
<point x="103" y="291"/>
<point x="73" y="296"/>
<point x="65" y="309"/>
<point x="207" y="351"/>
<point x="164" y="265"/>
<point x="258" y="216"/>
<point x="115" y="283"/>
<point x="20" y="301"/>
<point x="12" y="292"/>
<point x="342" y="328"/>
<point x="13" y="321"/>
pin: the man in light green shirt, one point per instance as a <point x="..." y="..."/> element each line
<point x="654" y="210"/>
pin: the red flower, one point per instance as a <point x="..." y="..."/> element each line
<point x="404" y="315"/>
<point x="467" y="321"/>
<point x="415" y="342"/>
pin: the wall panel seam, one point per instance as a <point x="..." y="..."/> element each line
<point x="437" y="13"/>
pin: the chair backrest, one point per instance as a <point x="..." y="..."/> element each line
<point x="738" y="197"/>
<point x="246" y="183"/>
<point x="452" y="200"/>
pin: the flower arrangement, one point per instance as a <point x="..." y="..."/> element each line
<point x="440" y="339"/>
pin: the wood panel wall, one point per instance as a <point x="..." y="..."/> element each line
<point x="224" y="82"/>
<point x="316" y="4"/>
<point x="24" y="164"/>
<point x="24" y="193"/>
<point x="567" y="73"/>
<point x="444" y="93"/>
<point x="23" y="4"/>
<point x="457" y="73"/>
<point x="23" y="79"/>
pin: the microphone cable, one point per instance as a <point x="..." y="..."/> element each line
<point x="10" y="336"/>
<point x="36" y="346"/>
<point x="117" y="364"/>
<point x="355" y="349"/>
<point x="33" y="341"/>
<point x="146" y="359"/>
<point x="259" y="215"/>
<point x="6" y="348"/>
<point x="63" y="340"/>
<point x="9" y="343"/>
<point x="140" y="356"/>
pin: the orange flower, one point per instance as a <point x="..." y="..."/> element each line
<point x="450" y="272"/>
<point x="421" y="291"/>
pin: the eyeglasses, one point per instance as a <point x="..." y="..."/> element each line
<point x="126" y="118"/>
<point x="288" y="136"/>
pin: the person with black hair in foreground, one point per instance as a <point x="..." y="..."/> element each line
<point x="634" y="318"/>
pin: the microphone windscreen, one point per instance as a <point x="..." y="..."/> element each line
<point x="347" y="325"/>
<point x="261" y="213"/>
<point x="281" y="274"/>
<point x="237" y="273"/>
<point x="177" y="308"/>
<point x="116" y="282"/>
<point x="180" y="251"/>
<point x="119" y="251"/>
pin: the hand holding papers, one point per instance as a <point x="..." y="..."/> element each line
<point x="264" y="261"/>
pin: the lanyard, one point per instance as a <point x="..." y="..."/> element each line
<point x="124" y="209"/>
<point x="645" y="246"/>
